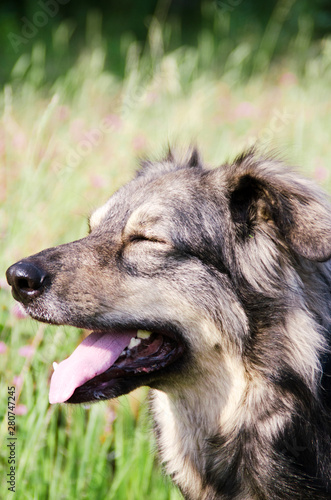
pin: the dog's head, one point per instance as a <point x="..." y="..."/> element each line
<point x="179" y="265"/>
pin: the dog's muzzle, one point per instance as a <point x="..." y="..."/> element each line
<point x="27" y="281"/>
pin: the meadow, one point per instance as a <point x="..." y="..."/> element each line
<point x="65" y="147"/>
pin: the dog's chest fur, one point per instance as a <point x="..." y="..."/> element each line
<point x="231" y="436"/>
<point x="187" y="422"/>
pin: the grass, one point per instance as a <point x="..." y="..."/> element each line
<point x="64" y="148"/>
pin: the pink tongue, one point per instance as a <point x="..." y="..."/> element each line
<point x="93" y="356"/>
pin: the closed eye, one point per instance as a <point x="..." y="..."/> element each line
<point x="135" y="238"/>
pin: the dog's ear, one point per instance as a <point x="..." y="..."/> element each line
<point x="265" y="192"/>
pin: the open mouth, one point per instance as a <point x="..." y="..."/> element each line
<point x="109" y="363"/>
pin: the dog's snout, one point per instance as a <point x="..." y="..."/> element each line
<point x="27" y="281"/>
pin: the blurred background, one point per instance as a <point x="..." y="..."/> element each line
<point x="87" y="89"/>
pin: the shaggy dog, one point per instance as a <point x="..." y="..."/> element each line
<point x="212" y="287"/>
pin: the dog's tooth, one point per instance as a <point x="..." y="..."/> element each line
<point x="133" y="343"/>
<point x="55" y="365"/>
<point x="143" y="334"/>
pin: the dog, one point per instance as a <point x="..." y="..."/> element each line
<point x="212" y="287"/>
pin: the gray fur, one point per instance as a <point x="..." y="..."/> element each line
<point x="234" y="263"/>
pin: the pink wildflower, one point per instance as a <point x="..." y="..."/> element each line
<point x="112" y="122"/>
<point x="18" y="382"/>
<point x="26" y="351"/>
<point x="245" y="110"/>
<point x="18" y="312"/>
<point x="288" y="79"/>
<point x="63" y="113"/>
<point x="3" y="348"/>
<point x="19" y="140"/>
<point x="139" y="142"/>
<point x="21" y="410"/>
<point x="321" y="172"/>
<point x="98" y="181"/>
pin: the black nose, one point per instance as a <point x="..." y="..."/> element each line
<point x="27" y="281"/>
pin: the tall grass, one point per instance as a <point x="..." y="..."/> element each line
<point x="64" y="148"/>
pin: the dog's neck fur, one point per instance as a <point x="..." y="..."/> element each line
<point x="184" y="424"/>
<point x="239" y="427"/>
<point x="188" y="418"/>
